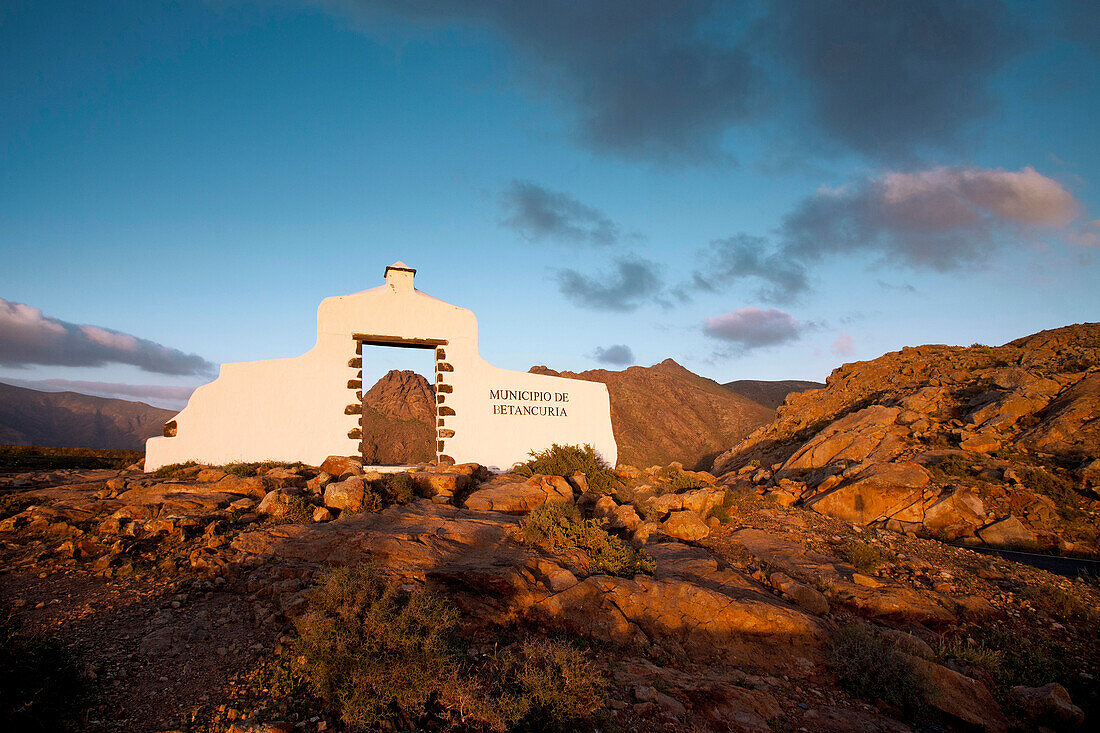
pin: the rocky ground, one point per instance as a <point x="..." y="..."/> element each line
<point x="174" y="593"/>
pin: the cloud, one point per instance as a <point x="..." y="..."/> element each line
<point x="888" y="288"/>
<point x="752" y="328"/>
<point x="157" y="394"/>
<point x="633" y="282"/>
<point x="941" y="219"/>
<point x="1088" y="235"/>
<point x="642" y="78"/>
<point x="844" y="345"/>
<point x="617" y="354"/>
<point x="29" y="337"/>
<point x="888" y="77"/>
<point x="538" y="214"/>
<point x="744" y="256"/>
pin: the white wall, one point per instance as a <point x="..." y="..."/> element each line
<point x="293" y="409"/>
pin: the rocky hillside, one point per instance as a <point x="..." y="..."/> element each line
<point x="71" y="420"/>
<point x="993" y="445"/>
<point x="666" y="413"/>
<point x="769" y="393"/>
<point x="397" y="420"/>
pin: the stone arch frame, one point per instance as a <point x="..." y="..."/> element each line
<point x="442" y="388"/>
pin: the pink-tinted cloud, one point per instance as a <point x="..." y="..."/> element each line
<point x="27" y="336"/>
<point x="940" y="219"/>
<point x="844" y="345"/>
<point x="751" y="328"/>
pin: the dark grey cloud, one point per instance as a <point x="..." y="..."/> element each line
<point x="888" y="77"/>
<point x="744" y="256"/>
<point x="942" y="219"/>
<point x="654" y="79"/>
<point x="752" y="328"/>
<point x="29" y="337"/>
<point x="632" y="282"/>
<point x="538" y="214"/>
<point x="616" y="354"/>
<point x="162" y="395"/>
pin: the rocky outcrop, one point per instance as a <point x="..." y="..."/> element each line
<point x="946" y="442"/>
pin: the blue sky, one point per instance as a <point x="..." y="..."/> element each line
<point x="756" y="189"/>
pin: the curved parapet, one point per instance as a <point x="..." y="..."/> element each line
<point x="308" y="407"/>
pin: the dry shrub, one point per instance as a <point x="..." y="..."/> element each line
<point x="371" y="650"/>
<point x="870" y="666"/>
<point x="538" y="685"/>
<point x="558" y="527"/>
<point x="382" y="657"/>
<point x="566" y="460"/>
<point x="862" y="556"/>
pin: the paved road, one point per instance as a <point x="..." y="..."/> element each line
<point x="1071" y="567"/>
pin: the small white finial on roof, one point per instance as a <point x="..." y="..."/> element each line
<point x="399" y="277"/>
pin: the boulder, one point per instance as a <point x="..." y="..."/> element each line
<point x="877" y="492"/>
<point x="806" y="597"/>
<point x="701" y="501"/>
<point x="1009" y="532"/>
<point x="626" y="517"/>
<point x="685" y="525"/>
<point x="959" y="696"/>
<point x="515" y="494"/>
<point x="980" y="443"/>
<point x="347" y="495"/>
<point x="441" y="487"/>
<point x="1049" y="705"/>
<point x="339" y="465"/>
<point x="278" y="503"/>
<point x="955" y="515"/>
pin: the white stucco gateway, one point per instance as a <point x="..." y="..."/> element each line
<point x="308" y="407"/>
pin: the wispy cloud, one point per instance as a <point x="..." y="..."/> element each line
<point x="844" y="345"/>
<point x="27" y="337"/>
<point x="538" y="213"/>
<point x="616" y="354"/>
<point x="632" y="282"/>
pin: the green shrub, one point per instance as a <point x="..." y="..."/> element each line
<point x="173" y="470"/>
<point x="371" y="650"/>
<point x="862" y="556"/>
<point x="40" y="686"/>
<point x="255" y="468"/>
<point x="566" y="460"/>
<point x="754" y="463"/>
<point x="1057" y="602"/>
<point x="396" y="488"/>
<point x="871" y="667"/>
<point x="721" y="513"/>
<point x="1049" y="483"/>
<point x="559" y="527"/>
<point x="955" y="465"/>
<point x="975" y="654"/>
<point x="679" y="481"/>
